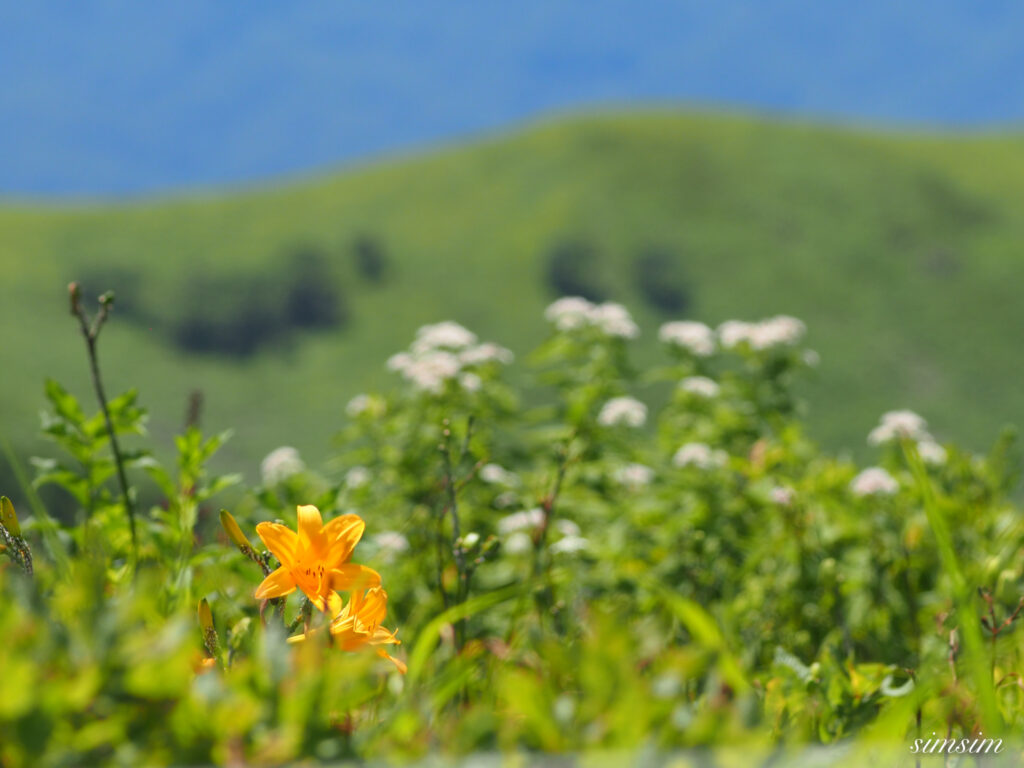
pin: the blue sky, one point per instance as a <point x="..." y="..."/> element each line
<point x="120" y="97"/>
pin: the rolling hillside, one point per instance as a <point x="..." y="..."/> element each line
<point x="902" y="253"/>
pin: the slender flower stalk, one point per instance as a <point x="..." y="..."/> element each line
<point x="315" y="559"/>
<point x="91" y="333"/>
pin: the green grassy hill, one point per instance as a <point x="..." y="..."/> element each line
<point x="902" y="253"/>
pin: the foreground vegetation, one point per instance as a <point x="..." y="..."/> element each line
<point x="900" y="251"/>
<point x="481" y="567"/>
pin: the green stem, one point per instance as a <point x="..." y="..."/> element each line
<point x="91" y="335"/>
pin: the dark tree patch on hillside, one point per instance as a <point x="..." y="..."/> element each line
<point x="574" y="268"/>
<point x="313" y="298"/>
<point x="230" y="316"/>
<point x="661" y="280"/>
<point x="371" y="260"/>
<point x="950" y="206"/>
<point x="237" y="316"/>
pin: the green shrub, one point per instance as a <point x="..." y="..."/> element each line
<point x="585" y="573"/>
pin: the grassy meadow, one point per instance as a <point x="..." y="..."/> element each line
<point x="763" y="506"/>
<point x="901" y="252"/>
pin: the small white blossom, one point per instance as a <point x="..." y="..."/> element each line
<point x="506" y="500"/>
<point x="569" y="544"/>
<point x="783" y="496"/>
<point x="399" y="362"/>
<point x="357" y="477"/>
<point x="495" y="474"/>
<point x="781" y="330"/>
<point x="896" y="425"/>
<point x="488" y="352"/>
<point x="470" y="382"/>
<point x="699" y="455"/>
<point x="701" y="386"/>
<point x="280" y="464"/>
<point x="518" y="543"/>
<point x="391" y="541"/>
<point x="567" y="527"/>
<point x="430" y="372"/>
<point x="778" y="331"/>
<point x="931" y="452"/>
<point x="622" y="411"/>
<point x="634" y="475"/>
<point x="446" y="335"/>
<point x="614" y="320"/>
<point x="357" y="405"/>
<point x="519" y="521"/>
<point x="874" y="481"/>
<point x="569" y="313"/>
<point x="732" y="333"/>
<point x="695" y="337"/>
<point x="470" y="540"/>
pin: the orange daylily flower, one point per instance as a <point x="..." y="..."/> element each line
<point x="315" y="559"/>
<point x="359" y="624"/>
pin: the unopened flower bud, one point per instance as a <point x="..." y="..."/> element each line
<point x="8" y="517"/>
<point x="209" y="631"/>
<point x="74" y="294"/>
<point x="233" y="531"/>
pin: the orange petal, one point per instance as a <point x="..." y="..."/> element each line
<point x="311" y="528"/>
<point x="335" y="605"/>
<point x="319" y="602"/>
<point x="342" y="533"/>
<point x="382" y="636"/>
<point x="399" y="664"/>
<point x="281" y="541"/>
<point x="355" y="578"/>
<point x="375" y="607"/>
<point x="277" y="584"/>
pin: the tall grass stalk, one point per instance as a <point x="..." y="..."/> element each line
<point x="969" y="626"/>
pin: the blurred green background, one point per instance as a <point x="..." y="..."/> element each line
<point x="899" y="249"/>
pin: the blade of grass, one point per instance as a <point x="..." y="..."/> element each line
<point x="703" y="628"/>
<point x="970" y="627"/>
<point x="427" y="638"/>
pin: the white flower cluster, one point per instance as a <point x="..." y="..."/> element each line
<point x="874" y="481"/>
<point x="622" y="411"/>
<point x="495" y="474"/>
<point x="358" y="405"/>
<point x="700" y="455"/>
<point x="896" y="425"/>
<point x="571" y="313"/>
<point x="279" y="465"/>
<point x="694" y="337"/>
<point x="701" y="386"/>
<point x="521" y="521"/>
<point x="904" y="424"/>
<point x="446" y="335"/>
<point x="931" y="452"/>
<point x="781" y="330"/>
<point x="440" y="354"/>
<point x="357" y="477"/>
<point x="783" y="496"/>
<point x="634" y="475"/>
<point x="488" y="352"/>
<point x="391" y="543"/>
